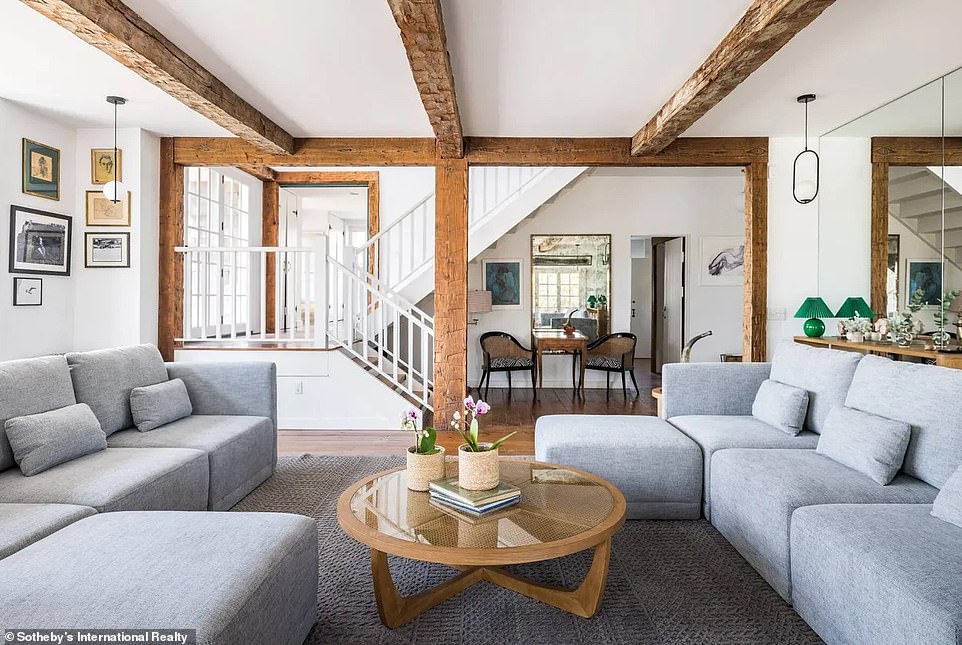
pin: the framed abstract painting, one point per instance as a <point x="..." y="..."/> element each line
<point x="503" y="279"/>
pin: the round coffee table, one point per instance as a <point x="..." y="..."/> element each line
<point x="562" y="511"/>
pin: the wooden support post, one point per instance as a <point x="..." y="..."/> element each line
<point x="171" y="264"/>
<point x="450" y="288"/>
<point x="755" y="314"/>
<point x="269" y="225"/>
<point x="880" y="234"/>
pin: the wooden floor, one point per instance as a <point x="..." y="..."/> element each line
<point x="517" y="412"/>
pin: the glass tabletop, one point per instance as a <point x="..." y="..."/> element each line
<point x="555" y="504"/>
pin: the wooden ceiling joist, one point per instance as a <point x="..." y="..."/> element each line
<point x="115" y="29"/>
<point x="264" y="173"/>
<point x="228" y="151"/>
<point x="762" y="31"/>
<point x="422" y="32"/>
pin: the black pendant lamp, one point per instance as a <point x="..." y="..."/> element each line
<point x="804" y="188"/>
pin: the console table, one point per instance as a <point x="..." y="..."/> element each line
<point x="557" y="341"/>
<point x="917" y="350"/>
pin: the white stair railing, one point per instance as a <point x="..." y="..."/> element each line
<point x="406" y="246"/>
<point x="389" y="335"/>
<point x="219" y="295"/>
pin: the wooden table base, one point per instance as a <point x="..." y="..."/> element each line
<point x="396" y="610"/>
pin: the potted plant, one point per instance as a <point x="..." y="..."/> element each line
<point x="941" y="337"/>
<point x="477" y="462"/>
<point x="902" y="325"/>
<point x="425" y="459"/>
<point x="856" y="328"/>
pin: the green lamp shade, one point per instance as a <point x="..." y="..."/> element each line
<point x="855" y="307"/>
<point x="813" y="309"/>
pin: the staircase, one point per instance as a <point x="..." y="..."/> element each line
<point x="916" y="199"/>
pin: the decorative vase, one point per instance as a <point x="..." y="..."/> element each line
<point x="423" y="469"/>
<point x="902" y="338"/>
<point x="855" y="336"/>
<point x="569" y="330"/>
<point x="478" y="470"/>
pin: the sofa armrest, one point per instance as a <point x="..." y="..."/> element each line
<point x="711" y="388"/>
<point x="248" y="389"/>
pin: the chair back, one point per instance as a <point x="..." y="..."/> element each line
<point x="500" y="344"/>
<point x="619" y="346"/>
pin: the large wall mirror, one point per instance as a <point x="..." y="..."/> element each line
<point x="913" y="212"/>
<point x="571" y="280"/>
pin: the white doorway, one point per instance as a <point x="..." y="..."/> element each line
<point x="668" y="301"/>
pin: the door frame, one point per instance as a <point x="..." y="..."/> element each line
<point x="659" y="240"/>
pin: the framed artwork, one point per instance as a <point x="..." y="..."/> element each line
<point x="27" y="292"/>
<point x="503" y="279"/>
<point x="925" y="275"/>
<point x="107" y="250"/>
<point x="39" y="242"/>
<point x="102" y="164"/>
<point x="103" y="212"/>
<point x="41" y="170"/>
<point x="722" y="261"/>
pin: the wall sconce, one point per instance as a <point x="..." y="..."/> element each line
<point x="805" y="190"/>
<point x="479" y="302"/>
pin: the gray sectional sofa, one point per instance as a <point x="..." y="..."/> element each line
<point x="862" y="561"/>
<point x="121" y="537"/>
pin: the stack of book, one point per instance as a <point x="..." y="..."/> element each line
<point x="476" y="502"/>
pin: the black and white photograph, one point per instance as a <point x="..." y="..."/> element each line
<point x="27" y="292"/>
<point x="107" y="250"/>
<point x="722" y="261"/>
<point x="39" y="242"/>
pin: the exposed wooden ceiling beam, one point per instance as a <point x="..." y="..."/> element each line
<point x="695" y="151"/>
<point x="264" y="173"/>
<point x="228" y="151"/>
<point x="344" y="177"/>
<point x="115" y="29"/>
<point x="762" y="31"/>
<point x="422" y="32"/>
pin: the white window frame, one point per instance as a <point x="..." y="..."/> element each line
<point x="219" y="218"/>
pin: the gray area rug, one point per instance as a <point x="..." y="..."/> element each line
<point x="669" y="582"/>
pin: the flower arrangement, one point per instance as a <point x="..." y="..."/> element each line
<point x="466" y="424"/>
<point x="424" y="438"/>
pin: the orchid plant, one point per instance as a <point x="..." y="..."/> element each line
<point x="466" y="425"/>
<point x="424" y="438"/>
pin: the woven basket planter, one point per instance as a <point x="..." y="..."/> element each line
<point x="423" y="469"/>
<point x="478" y="470"/>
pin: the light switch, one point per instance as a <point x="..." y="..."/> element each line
<point x="777" y="313"/>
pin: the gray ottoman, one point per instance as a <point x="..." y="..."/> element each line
<point x="233" y="577"/>
<point x="655" y="466"/>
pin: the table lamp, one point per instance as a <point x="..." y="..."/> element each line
<point x="813" y="309"/>
<point x="853" y="307"/>
<point x="479" y="302"/>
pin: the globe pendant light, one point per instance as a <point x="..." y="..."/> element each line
<point x="114" y="190"/>
<point x="804" y="188"/>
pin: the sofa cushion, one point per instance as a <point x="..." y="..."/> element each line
<point x="656" y="467"/>
<point x="781" y="406"/>
<point x="28" y="387"/>
<point x="713" y="433"/>
<point x="104" y="378"/>
<point x="233" y="577"/>
<point x="152" y="406"/>
<point x="885" y="574"/>
<point x="825" y="373"/>
<point x="239" y="449"/>
<point x="23" y="524"/>
<point x="924" y="396"/>
<point x="755" y="492"/>
<point x="948" y="505"/>
<point x="118" y="479"/>
<point x="42" y="441"/>
<point x="872" y="445"/>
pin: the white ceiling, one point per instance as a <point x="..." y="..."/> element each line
<point x="522" y="67"/>
<point x="346" y="202"/>
<point x="48" y="69"/>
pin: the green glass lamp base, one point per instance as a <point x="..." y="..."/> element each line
<point x="814" y="328"/>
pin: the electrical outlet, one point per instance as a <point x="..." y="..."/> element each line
<point x="777" y="313"/>
<point x="299" y="388"/>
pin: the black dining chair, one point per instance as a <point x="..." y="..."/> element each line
<point x="614" y="353"/>
<point x="501" y="352"/>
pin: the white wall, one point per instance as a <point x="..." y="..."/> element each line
<point x="33" y="331"/>
<point x="626" y="202"/>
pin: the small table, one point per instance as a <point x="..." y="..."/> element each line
<point x="556" y="340"/>
<point x="562" y="511"/>
<point x="917" y="350"/>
